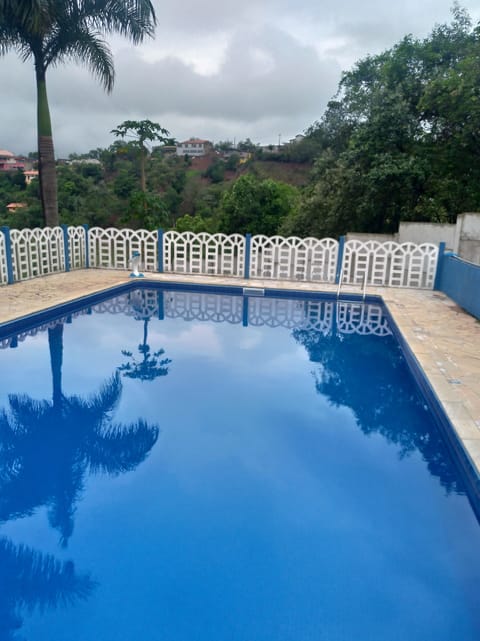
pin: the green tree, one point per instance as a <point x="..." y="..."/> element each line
<point x="246" y="145"/>
<point x="142" y="131"/>
<point x="146" y="211"/>
<point x="196" y="224"/>
<point x="256" y="206"/>
<point x="400" y="141"/>
<point x="53" y="31"/>
<point x="215" y="171"/>
<point x="224" y="145"/>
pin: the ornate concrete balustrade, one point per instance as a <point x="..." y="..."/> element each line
<point x="30" y="253"/>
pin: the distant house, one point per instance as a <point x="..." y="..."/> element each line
<point x="84" y="161"/>
<point x="168" y="150"/>
<point x="30" y="175"/>
<point x="12" y="207"/>
<point x="194" y="147"/>
<point x="298" y="138"/>
<point x="8" y="162"/>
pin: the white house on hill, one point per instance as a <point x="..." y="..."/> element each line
<point x="193" y="147"/>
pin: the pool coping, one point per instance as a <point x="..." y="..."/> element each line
<point x="458" y="418"/>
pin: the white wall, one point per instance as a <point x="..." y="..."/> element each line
<point x="427" y="233"/>
<point x="467" y="237"/>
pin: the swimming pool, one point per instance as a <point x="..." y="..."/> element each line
<point x="189" y="466"/>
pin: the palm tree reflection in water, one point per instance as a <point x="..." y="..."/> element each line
<point x="30" y="579"/>
<point x="46" y="450"/>
<point x="151" y="366"/>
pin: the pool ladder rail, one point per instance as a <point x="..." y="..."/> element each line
<point x="364" y="286"/>
<point x="253" y="291"/>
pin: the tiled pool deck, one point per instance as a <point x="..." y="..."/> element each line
<point x="444" y="339"/>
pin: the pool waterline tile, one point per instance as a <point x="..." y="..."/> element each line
<point x="444" y="339"/>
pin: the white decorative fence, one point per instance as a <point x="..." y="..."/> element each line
<point x="77" y="247"/>
<point x="390" y="264"/>
<point x="204" y="307"/>
<point x="294" y="258"/>
<point x="37" y="252"/>
<point x="213" y="254"/>
<point x="113" y="248"/>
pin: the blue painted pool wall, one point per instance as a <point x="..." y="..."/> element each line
<point x="8" y="253"/>
<point x="441" y="254"/>
<point x="87" y="250"/>
<point x="338" y="271"/>
<point x="459" y="454"/>
<point x="460" y="280"/>
<point x="160" y="249"/>
<point x="248" y="243"/>
<point x="66" y="247"/>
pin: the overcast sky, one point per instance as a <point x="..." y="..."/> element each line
<point x="217" y="69"/>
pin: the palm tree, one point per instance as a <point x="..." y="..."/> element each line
<point x="47" y="447"/>
<point x="53" y="31"/>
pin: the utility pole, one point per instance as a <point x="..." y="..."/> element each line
<point x="279" y="138"/>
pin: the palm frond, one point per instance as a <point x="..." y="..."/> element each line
<point x="30" y="14"/>
<point x="27" y="412"/>
<point x="77" y="43"/>
<point x="109" y="395"/>
<point x="133" y="19"/>
<point x="121" y="448"/>
<point x="37" y="580"/>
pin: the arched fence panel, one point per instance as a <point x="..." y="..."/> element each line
<point x="77" y="246"/>
<point x="294" y="258"/>
<point x="37" y="252"/>
<point x="292" y="314"/>
<point x="191" y="306"/>
<point x="389" y="264"/>
<point x="209" y="254"/>
<point x="357" y="318"/>
<point x="113" y="248"/>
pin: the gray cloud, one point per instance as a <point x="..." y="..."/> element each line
<point x="267" y="74"/>
<point x="217" y="70"/>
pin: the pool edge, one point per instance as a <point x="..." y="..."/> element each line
<point x="458" y="449"/>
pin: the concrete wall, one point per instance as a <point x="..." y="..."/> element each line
<point x="467" y="237"/>
<point x="463" y="238"/>
<point x="381" y="238"/>
<point x="427" y="233"/>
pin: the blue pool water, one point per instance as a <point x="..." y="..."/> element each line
<point x="182" y="466"/>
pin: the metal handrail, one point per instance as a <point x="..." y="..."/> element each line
<point x="340" y="282"/>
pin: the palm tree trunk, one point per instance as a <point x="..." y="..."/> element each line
<point x="46" y="154"/>
<point x="55" y="343"/>
<point x="143" y="182"/>
<point x="145" y="331"/>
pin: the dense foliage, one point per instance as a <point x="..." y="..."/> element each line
<point x="401" y="141"/>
